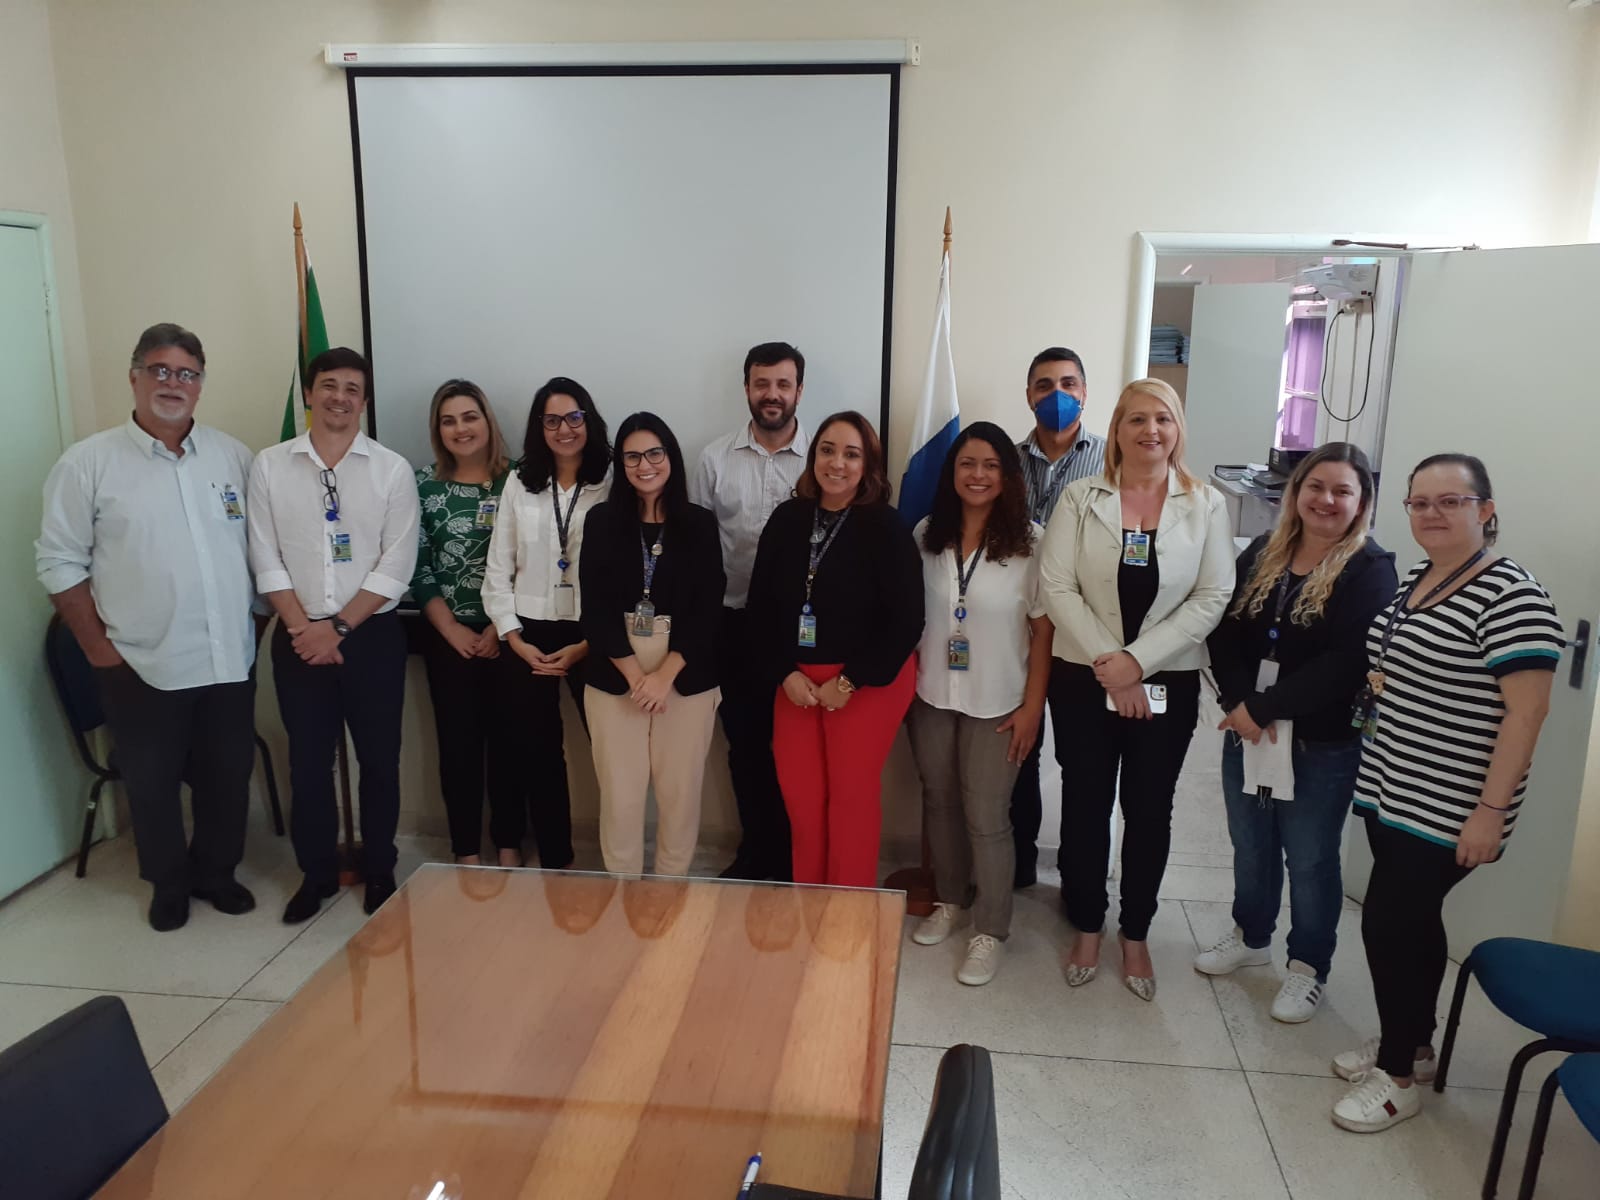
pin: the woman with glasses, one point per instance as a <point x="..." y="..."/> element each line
<point x="836" y="613"/>
<point x="460" y="495"/>
<point x="1460" y="666"/>
<point x="982" y="671"/>
<point x="1289" y="659"/>
<point x="653" y="583"/>
<point x="533" y="594"/>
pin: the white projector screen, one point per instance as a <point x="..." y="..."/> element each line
<point x="635" y="229"/>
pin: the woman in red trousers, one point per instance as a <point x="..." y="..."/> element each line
<point x="835" y="616"/>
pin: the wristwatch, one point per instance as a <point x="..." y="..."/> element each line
<point x="340" y="626"/>
<point x="844" y="684"/>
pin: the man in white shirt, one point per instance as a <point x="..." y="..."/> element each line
<point x="143" y="552"/>
<point x="1055" y="453"/>
<point x="742" y="477"/>
<point x="333" y="541"/>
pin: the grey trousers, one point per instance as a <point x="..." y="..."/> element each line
<point x="966" y="788"/>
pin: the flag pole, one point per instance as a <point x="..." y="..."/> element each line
<point x="300" y="283"/>
<point x="917" y="882"/>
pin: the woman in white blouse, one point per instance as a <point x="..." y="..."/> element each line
<point x="531" y="593"/>
<point x="1137" y="568"/>
<point x="982" y="670"/>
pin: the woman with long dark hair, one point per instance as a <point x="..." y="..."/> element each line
<point x="653" y="583"/>
<point x="533" y="594"/>
<point x="983" y="669"/>
<point x="1458" y="687"/>
<point x="835" y="615"/>
<point x="460" y="494"/>
<point x="1289" y="659"/>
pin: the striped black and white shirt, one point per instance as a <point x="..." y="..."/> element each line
<point x="1047" y="480"/>
<point x="1424" y="770"/>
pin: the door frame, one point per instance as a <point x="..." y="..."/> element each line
<point x="52" y="315"/>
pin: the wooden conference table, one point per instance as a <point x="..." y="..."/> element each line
<point x="560" y="1034"/>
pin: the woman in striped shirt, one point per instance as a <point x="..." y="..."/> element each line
<point x="1462" y="661"/>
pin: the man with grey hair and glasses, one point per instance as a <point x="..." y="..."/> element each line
<point x="144" y="553"/>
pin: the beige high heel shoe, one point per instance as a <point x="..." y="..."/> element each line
<point x="1078" y="976"/>
<point x="1142" y="986"/>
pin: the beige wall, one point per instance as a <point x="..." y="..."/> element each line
<point x="33" y="178"/>
<point x="1055" y="129"/>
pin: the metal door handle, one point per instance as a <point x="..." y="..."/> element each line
<point x="1580" y="653"/>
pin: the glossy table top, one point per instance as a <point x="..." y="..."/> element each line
<point x="557" y="1034"/>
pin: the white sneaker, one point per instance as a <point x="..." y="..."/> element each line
<point x="936" y="926"/>
<point x="1299" y="996"/>
<point x="1353" y="1064"/>
<point x="1230" y="954"/>
<point x="983" y="960"/>
<point x="1375" y="1103"/>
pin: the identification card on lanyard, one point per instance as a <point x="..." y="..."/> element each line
<point x="1135" y="548"/>
<point x="644" y="612"/>
<point x="566" y="602"/>
<point x="958" y="651"/>
<point x="231" y="508"/>
<point x="339" y="545"/>
<point x="486" y="511"/>
<point x="821" y="538"/>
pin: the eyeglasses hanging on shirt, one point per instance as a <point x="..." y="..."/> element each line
<point x="338" y="543"/>
<point x="958" y="656"/>
<point x="566" y="595"/>
<point x="822" y="534"/>
<point x="644" y="612"/>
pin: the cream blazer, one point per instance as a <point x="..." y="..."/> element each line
<point x="1078" y="571"/>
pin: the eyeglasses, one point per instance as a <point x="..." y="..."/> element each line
<point x="330" y="499"/>
<point x="655" y="456"/>
<point x="1421" y="506"/>
<point x="161" y="373"/>
<point x="552" y="421"/>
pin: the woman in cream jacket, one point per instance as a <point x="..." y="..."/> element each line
<point x="1137" y="569"/>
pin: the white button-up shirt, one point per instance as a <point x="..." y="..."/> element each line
<point x="520" y="576"/>
<point x="1001" y="599"/>
<point x="292" y="543"/>
<point x="742" y="483"/>
<point x="162" y="547"/>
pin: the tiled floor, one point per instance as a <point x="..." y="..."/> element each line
<point x="1197" y="1095"/>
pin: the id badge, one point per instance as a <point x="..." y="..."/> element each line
<point x="486" y="510"/>
<point x="566" y="602"/>
<point x="1266" y="674"/>
<point x="808" y="631"/>
<point x="958" y="656"/>
<point x="1157" y="694"/>
<point x="644" y="619"/>
<point x="231" y="507"/>
<point x="339" y="543"/>
<point x="1135" y="549"/>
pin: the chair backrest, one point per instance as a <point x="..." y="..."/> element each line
<point x="76" y="1100"/>
<point x="75" y="685"/>
<point x="960" y="1154"/>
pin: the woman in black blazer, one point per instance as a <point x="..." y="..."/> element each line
<point x="836" y="615"/>
<point x="652" y="582"/>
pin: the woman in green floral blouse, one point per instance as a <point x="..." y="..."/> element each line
<point x="472" y="686"/>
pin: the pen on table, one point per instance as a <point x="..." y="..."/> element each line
<point x="750" y="1171"/>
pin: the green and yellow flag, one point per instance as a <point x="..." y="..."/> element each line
<point x="313" y="338"/>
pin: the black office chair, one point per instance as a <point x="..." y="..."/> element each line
<point x="960" y="1154"/>
<point x="75" y="686"/>
<point x="76" y="1101"/>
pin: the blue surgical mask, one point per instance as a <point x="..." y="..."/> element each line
<point x="1058" y="411"/>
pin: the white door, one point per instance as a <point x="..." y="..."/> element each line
<point x="1492" y="359"/>
<point x="41" y="801"/>
<point x="1236" y="345"/>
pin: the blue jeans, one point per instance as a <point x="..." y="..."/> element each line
<point x="1305" y="832"/>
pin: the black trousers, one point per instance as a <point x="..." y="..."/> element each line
<point x="1150" y="754"/>
<point x="1027" y="802"/>
<point x="536" y="708"/>
<point x="746" y="713"/>
<point x="1402" y="926"/>
<point x="365" y="693"/>
<point x="204" y="736"/>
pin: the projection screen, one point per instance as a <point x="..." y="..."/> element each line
<point x="637" y="229"/>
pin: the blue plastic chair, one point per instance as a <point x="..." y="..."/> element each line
<point x="1579" y="1078"/>
<point x="1549" y="988"/>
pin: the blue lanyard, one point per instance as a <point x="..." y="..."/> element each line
<point x="820" y="541"/>
<point x="649" y="555"/>
<point x="964" y="579"/>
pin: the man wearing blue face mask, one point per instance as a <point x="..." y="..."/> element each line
<point x="1058" y="451"/>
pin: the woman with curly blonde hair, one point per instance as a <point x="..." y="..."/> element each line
<point x="1289" y="661"/>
